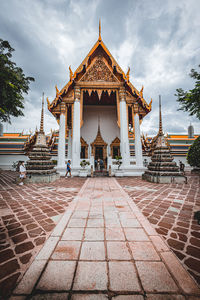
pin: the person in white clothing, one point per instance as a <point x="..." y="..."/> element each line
<point x="22" y="170"/>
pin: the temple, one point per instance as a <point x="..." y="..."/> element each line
<point x="97" y="111"/>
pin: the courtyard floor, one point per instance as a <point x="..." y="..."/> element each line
<point x="103" y="246"/>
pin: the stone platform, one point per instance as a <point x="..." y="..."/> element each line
<point x="164" y="179"/>
<point x="103" y="247"/>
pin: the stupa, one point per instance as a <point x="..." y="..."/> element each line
<point x="162" y="168"/>
<point x="40" y="167"/>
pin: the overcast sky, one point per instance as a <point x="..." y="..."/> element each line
<point x="159" y="40"/>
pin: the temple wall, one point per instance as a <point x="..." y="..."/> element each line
<point x="6" y="161"/>
<point x="108" y="123"/>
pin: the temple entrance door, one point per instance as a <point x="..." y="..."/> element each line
<point x="98" y="152"/>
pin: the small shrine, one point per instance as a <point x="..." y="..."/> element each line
<point x="162" y="168"/>
<point x="40" y="167"/>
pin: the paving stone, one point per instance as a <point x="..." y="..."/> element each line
<point x="114" y="234"/>
<point x="193" y="251"/>
<point x="118" y="251"/>
<point x="130" y="223"/>
<point x="73" y="234"/>
<point x="91" y="276"/>
<point x="159" y="243"/>
<point x="155" y="277"/>
<point x="92" y="251"/>
<point x="6" y="255"/>
<point x="95" y="223"/>
<point x="17" y="298"/>
<point x="123" y="276"/>
<point x="89" y="297"/>
<point x="165" y="297"/>
<point x="29" y="280"/>
<point x="57" y="276"/>
<point x="143" y="251"/>
<point x="66" y="250"/>
<point x="128" y="297"/>
<point x="50" y="296"/>
<point x="80" y="214"/>
<point x="135" y="234"/>
<point x="6" y="285"/>
<point x="48" y="248"/>
<point x="8" y="268"/>
<point x="77" y="223"/>
<point x="94" y="234"/>
<point x="25" y="258"/>
<point x="183" y="278"/>
<point x="24" y="247"/>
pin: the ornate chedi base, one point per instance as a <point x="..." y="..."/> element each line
<point x="40" y="167"/>
<point x="36" y="178"/>
<point x="162" y="168"/>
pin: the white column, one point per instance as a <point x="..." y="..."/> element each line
<point x="138" y="144"/>
<point x="61" y="168"/>
<point x="76" y="133"/>
<point x="69" y="149"/>
<point x="124" y="141"/>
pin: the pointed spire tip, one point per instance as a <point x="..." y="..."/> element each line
<point x="99" y="29"/>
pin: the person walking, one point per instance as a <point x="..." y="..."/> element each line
<point x="22" y="171"/>
<point x="68" y="169"/>
<point x="101" y="165"/>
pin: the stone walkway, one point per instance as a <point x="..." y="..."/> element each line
<point x="170" y="208"/>
<point x="28" y="214"/>
<point x="104" y="248"/>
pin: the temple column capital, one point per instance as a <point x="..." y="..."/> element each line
<point x="62" y="108"/>
<point x="77" y="93"/>
<point x="122" y="94"/>
<point x="136" y="108"/>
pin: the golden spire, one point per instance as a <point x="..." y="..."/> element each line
<point x="99" y="30"/>
<point x="70" y="73"/>
<point x="48" y="103"/>
<point x="127" y="74"/>
<point x="42" y="116"/>
<point x="57" y="90"/>
<point x="160" y="117"/>
<point x="141" y="91"/>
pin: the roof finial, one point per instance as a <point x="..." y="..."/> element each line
<point x="99" y="30"/>
<point x="160" y="117"/>
<point x="42" y="115"/>
<point x="98" y="123"/>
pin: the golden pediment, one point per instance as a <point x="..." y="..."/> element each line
<point x="99" y="71"/>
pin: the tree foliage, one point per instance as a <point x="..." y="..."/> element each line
<point x="190" y="100"/>
<point x="13" y="84"/>
<point x="193" y="155"/>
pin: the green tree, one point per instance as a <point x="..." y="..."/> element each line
<point x="193" y="155"/>
<point x="13" y="84"/>
<point x="190" y="100"/>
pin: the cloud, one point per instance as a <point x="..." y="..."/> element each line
<point x="159" y="40"/>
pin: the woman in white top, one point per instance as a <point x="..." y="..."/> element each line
<point x="22" y="170"/>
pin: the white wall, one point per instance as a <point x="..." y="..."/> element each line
<point x="108" y="123"/>
<point x="6" y="161"/>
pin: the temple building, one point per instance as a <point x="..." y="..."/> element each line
<point x="95" y="111"/>
<point x="99" y="113"/>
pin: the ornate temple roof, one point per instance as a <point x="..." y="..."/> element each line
<point x="117" y="73"/>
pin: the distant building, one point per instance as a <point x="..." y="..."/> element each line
<point x="12" y="147"/>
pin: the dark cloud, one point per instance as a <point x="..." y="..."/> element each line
<point x="159" y="40"/>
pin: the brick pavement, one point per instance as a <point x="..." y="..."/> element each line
<point x="170" y="209"/>
<point x="103" y="247"/>
<point x="28" y="214"/>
